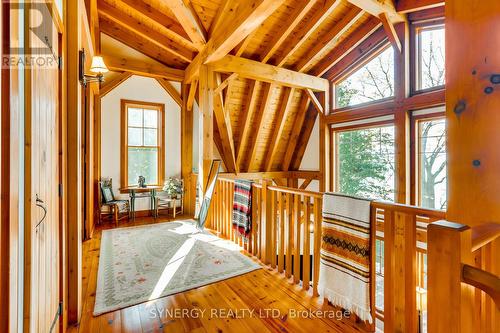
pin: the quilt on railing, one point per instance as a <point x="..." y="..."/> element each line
<point x="242" y="207"/>
<point x="344" y="277"/>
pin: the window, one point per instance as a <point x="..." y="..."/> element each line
<point x="372" y="82"/>
<point x="430" y="55"/>
<point x="142" y="142"/>
<point x="365" y="162"/>
<point x="432" y="163"/>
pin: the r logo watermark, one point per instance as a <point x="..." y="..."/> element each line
<point x="36" y="48"/>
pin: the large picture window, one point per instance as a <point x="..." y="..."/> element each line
<point x="365" y="162"/>
<point x="142" y="142"/>
<point x="432" y="163"/>
<point x="372" y="82"/>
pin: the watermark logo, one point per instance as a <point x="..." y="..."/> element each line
<point x="38" y="47"/>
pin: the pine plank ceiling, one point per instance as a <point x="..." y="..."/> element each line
<point x="270" y="124"/>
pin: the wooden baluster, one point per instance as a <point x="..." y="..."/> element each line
<point x="281" y="246"/>
<point x="288" y="259"/>
<point x="255" y="207"/>
<point x="306" y="262"/>
<point x="273" y="229"/>
<point x="296" y="238"/>
<point x="266" y="223"/>
<point x="317" y="242"/>
<point x="450" y="302"/>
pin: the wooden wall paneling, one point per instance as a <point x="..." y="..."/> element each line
<point x="472" y="95"/>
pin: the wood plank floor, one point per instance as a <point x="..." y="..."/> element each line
<point x="259" y="301"/>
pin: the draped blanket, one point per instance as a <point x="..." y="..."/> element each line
<point x="344" y="277"/>
<point x="242" y="207"/>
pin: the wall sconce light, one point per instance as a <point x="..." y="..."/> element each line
<point x="98" y="67"/>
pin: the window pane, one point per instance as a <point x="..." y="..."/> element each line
<point x="432" y="157"/>
<point x="372" y="82"/>
<point x="366" y="162"/>
<point x="431" y="58"/>
<point x="142" y="162"/>
<point x="134" y="136"/>
<point x="150" y="137"/>
<point x="134" y="117"/>
<point x="150" y="118"/>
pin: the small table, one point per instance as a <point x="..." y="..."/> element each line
<point x="151" y="193"/>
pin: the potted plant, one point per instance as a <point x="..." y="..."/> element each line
<point x="172" y="187"/>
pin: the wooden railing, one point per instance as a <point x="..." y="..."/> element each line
<point x="464" y="283"/>
<point x="284" y="236"/>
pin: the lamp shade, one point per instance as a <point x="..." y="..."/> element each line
<point x="98" y="66"/>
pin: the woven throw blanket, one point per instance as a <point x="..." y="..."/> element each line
<point x="344" y="277"/>
<point x="242" y="207"/>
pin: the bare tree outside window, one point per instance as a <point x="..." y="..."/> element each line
<point x="430" y="55"/>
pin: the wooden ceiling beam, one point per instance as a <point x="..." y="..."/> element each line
<point x="315" y="101"/>
<point x="192" y="94"/>
<point x="159" y="18"/>
<point x="296" y="129"/>
<point x="377" y="7"/>
<point x="149" y="35"/>
<point x="170" y="89"/>
<point x="331" y="36"/>
<point x="263" y="72"/>
<point x="408" y="6"/>
<point x="248" y="111"/>
<point x="307" y="30"/>
<point x="302" y="8"/>
<point x="117" y="32"/>
<point x="250" y="14"/>
<point x="223" y="121"/>
<point x="266" y="100"/>
<point x="143" y="69"/>
<point x="189" y="20"/>
<point x="223" y="85"/>
<point x="390" y="31"/>
<point x="346" y="46"/>
<point x="283" y="113"/>
<point x="226" y="8"/>
<point x="110" y="85"/>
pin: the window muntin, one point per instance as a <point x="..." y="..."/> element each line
<point x="432" y="163"/>
<point x="430" y="57"/>
<point x="143" y="143"/>
<point x="365" y="162"/>
<point x="374" y="81"/>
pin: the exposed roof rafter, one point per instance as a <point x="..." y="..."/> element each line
<point x="189" y="20"/>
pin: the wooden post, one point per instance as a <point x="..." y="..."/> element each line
<point x="206" y="127"/>
<point x="187" y="150"/>
<point x="472" y="117"/>
<point x="400" y="307"/>
<point x="450" y="302"/>
<point x="265" y="223"/>
<point x="324" y="145"/>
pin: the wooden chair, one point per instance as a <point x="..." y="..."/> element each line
<point x="163" y="201"/>
<point x="117" y="209"/>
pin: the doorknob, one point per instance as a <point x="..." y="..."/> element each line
<point x="41" y="204"/>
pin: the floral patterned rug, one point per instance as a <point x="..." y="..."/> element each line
<point x="138" y="264"/>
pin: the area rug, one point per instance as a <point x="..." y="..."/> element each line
<point x="139" y="264"/>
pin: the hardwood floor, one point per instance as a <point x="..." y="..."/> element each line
<point x="259" y="301"/>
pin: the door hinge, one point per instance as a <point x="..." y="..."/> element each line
<point x="60" y="190"/>
<point x="59" y="62"/>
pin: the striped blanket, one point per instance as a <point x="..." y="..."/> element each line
<point x="344" y="277"/>
<point x="242" y="207"/>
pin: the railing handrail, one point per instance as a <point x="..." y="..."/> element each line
<point x="292" y="190"/>
<point x="409" y="209"/>
<point x="484" y="234"/>
<point x="486" y="281"/>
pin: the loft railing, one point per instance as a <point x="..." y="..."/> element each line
<point x="464" y="283"/>
<point x="283" y="236"/>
